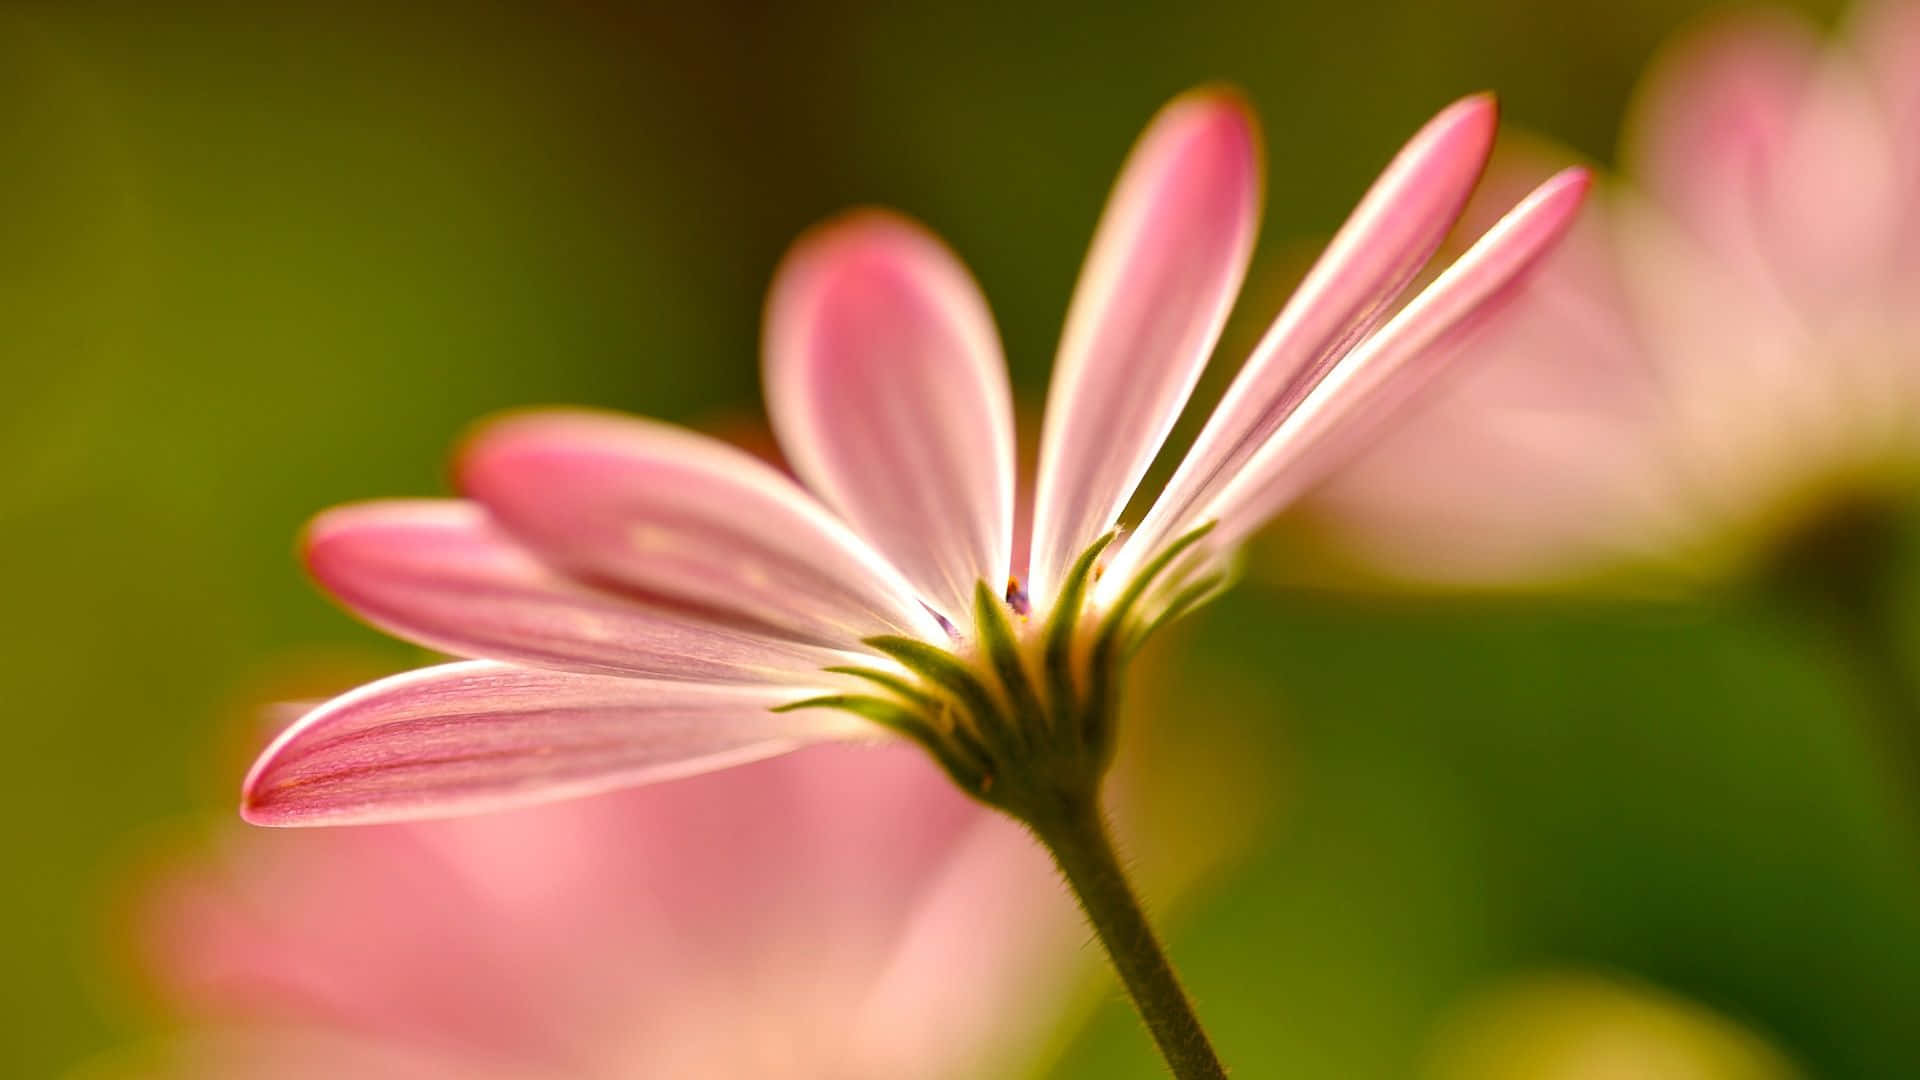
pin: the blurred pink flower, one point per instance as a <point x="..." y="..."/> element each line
<point x="640" y="597"/>
<point x="843" y="912"/>
<point x="1715" y="356"/>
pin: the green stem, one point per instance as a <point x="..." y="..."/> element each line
<point x="1868" y="644"/>
<point x="1081" y="846"/>
<point x="1840" y="577"/>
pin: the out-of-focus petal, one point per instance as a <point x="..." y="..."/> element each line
<point x="887" y="390"/>
<point x="293" y="1052"/>
<point x="1388" y="367"/>
<point x="475" y="736"/>
<point x="1836" y="203"/>
<point x="944" y="998"/>
<point x="1350" y="290"/>
<point x="1886" y="34"/>
<point x="1714" y="121"/>
<point x="441" y="573"/>
<point x="689" y="521"/>
<point x="1778" y="156"/>
<point x="1166" y="262"/>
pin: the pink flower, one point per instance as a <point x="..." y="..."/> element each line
<point x="645" y="602"/>
<point x="1713" y="358"/>
<point x="843" y="912"/>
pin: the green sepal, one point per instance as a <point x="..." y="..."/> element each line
<point x="908" y="692"/>
<point x="996" y="638"/>
<point x="1188" y="598"/>
<point x="968" y="769"/>
<point x="1107" y="639"/>
<point x="944" y="670"/>
<point x="1106" y="657"/>
<point x="1058" y="637"/>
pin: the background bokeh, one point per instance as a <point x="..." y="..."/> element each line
<point x="264" y="258"/>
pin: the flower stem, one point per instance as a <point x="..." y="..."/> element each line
<point x="1078" y="839"/>
<point x="1839" y="579"/>
<point x="1870" y="648"/>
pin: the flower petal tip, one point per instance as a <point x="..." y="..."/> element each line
<point x="854" y="247"/>
<point x="1221" y="113"/>
<point x="1565" y="191"/>
<point x="1224" y="104"/>
<point x="1468" y="126"/>
<point x="485" y="436"/>
<point x="345" y="530"/>
<point x="258" y="805"/>
<point x="856" y="231"/>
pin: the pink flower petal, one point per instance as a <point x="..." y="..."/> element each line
<point x="1545" y="457"/>
<point x="887" y="391"/>
<point x="442" y="574"/>
<point x="1389" y="237"/>
<point x="475" y="736"/>
<point x="1713" y="124"/>
<point x="689" y="521"/>
<point x="1387" y="368"/>
<point x="1887" y="34"/>
<point x="1169" y="256"/>
<point x="944" y="998"/>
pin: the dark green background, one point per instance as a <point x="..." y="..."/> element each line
<point x="263" y="258"/>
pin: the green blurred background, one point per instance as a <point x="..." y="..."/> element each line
<point x="264" y="258"/>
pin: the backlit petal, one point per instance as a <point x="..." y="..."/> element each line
<point x="689" y="521"/>
<point x="887" y="390"/>
<point x="441" y="573"/>
<point x="1169" y="256"/>
<point x="1383" y="371"/>
<point x="476" y="736"/>
<point x="1349" y="292"/>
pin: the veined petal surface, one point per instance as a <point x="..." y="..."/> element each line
<point x="1350" y="290"/>
<point x="887" y="390"/>
<point x="689" y="521"/>
<point x="1167" y="260"/>
<point x="478" y="735"/>
<point x="443" y="574"/>
<point x="1389" y="366"/>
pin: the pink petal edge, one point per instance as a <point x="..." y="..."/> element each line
<point x="1167" y="259"/>
<point x="1389" y="367"/>
<point x="686" y="519"/>
<point x="475" y="736"/>
<point x="887" y="390"/>
<point x="441" y="573"/>
<point x="1390" y="235"/>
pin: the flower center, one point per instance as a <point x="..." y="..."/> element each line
<point x="1022" y="716"/>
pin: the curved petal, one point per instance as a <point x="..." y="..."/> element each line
<point x="1887" y="35"/>
<point x="475" y="736"/>
<point x="1387" y="368"/>
<point x="1166" y="263"/>
<point x="943" y="997"/>
<point x="887" y="391"/>
<point x="1713" y="122"/>
<point x="688" y="520"/>
<point x="1547" y="457"/>
<point x="1384" y="243"/>
<point x="440" y="573"/>
<point x="1379" y="374"/>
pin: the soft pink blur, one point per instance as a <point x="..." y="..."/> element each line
<point x="1723" y="346"/>
<point x="840" y="912"/>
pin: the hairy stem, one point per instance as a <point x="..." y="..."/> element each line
<point x="1081" y="846"/>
